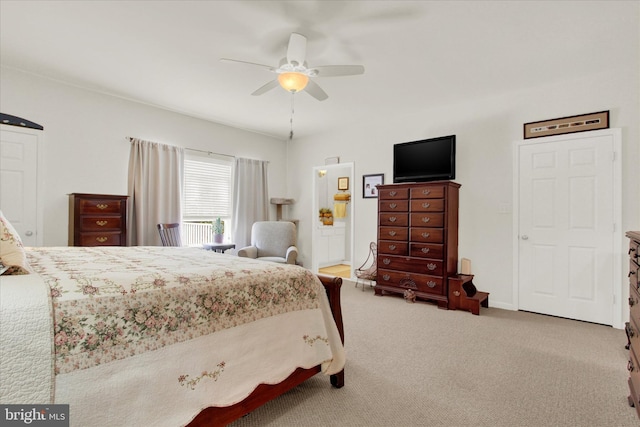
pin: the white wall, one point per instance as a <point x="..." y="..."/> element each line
<point x="86" y="151"/>
<point x="486" y="130"/>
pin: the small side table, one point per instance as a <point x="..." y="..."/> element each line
<point x="218" y="247"/>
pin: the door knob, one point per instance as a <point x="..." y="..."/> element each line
<point x="28" y="233"/>
<point x="525" y="237"/>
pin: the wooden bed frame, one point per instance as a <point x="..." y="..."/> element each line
<point x="221" y="416"/>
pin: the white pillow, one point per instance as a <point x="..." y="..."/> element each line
<point x="12" y="254"/>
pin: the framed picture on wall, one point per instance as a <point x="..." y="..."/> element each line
<point x="569" y="124"/>
<point x="343" y="183"/>
<point x="369" y="182"/>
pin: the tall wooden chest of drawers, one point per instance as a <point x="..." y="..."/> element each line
<point x="418" y="239"/>
<point x="633" y="327"/>
<point x="97" y="220"/>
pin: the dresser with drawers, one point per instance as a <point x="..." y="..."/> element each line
<point x="417" y="239"/>
<point x="633" y="326"/>
<point x="97" y="220"/>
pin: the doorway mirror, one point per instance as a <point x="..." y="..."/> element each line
<point x="333" y="225"/>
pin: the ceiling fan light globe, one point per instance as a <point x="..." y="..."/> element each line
<point x="293" y="82"/>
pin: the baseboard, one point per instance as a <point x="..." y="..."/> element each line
<point x="502" y="305"/>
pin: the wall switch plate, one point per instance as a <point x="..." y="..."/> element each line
<point x="504" y="208"/>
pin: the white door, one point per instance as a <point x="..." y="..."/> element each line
<point x="567" y="226"/>
<point x="19" y="181"/>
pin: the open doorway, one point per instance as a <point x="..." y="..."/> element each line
<point x="339" y="270"/>
<point x="332" y="231"/>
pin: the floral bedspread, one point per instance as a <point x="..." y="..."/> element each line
<point x="110" y="303"/>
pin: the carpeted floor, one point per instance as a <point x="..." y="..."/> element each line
<point x="417" y="365"/>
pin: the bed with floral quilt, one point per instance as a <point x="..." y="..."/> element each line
<point x="156" y="335"/>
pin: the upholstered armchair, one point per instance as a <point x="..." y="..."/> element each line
<point x="272" y="241"/>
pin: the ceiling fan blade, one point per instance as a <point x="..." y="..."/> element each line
<point x="338" y="70"/>
<point x="297" y="49"/>
<point x="265" y="88"/>
<point x="267" y="67"/>
<point x="316" y="91"/>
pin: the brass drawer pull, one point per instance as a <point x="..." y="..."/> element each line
<point x="431" y="284"/>
<point x="425" y="250"/>
<point x="101" y="223"/>
<point x="386" y="261"/>
<point x="101" y="239"/>
<point x="425" y="235"/>
<point x="426" y="219"/>
<point x="393" y="193"/>
<point x="393" y="219"/>
<point x="392" y="233"/>
<point x="393" y="205"/>
<point x="102" y="206"/>
<point x="386" y="277"/>
<point x="426" y="205"/>
<point x="426" y="192"/>
<point x="392" y="247"/>
<point x="432" y="266"/>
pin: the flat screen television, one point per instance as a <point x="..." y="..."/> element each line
<point x="425" y="160"/>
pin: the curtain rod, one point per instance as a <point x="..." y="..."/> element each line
<point x="210" y="152"/>
<point x="225" y="155"/>
<point x="130" y="138"/>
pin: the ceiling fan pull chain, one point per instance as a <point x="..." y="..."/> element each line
<point x="291" y="120"/>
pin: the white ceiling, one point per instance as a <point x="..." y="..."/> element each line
<point x="417" y="54"/>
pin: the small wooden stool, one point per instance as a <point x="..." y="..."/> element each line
<point x="463" y="294"/>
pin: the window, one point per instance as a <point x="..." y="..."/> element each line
<point x="208" y="183"/>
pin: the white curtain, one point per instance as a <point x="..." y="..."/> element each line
<point x="155" y="190"/>
<point x="251" y="198"/>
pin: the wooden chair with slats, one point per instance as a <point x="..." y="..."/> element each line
<point x="170" y="234"/>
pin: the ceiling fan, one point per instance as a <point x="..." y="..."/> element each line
<point x="294" y="75"/>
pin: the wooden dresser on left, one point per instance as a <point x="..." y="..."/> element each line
<point x="97" y="220"/>
<point x="633" y="325"/>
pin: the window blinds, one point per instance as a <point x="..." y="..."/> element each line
<point x="207" y="188"/>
